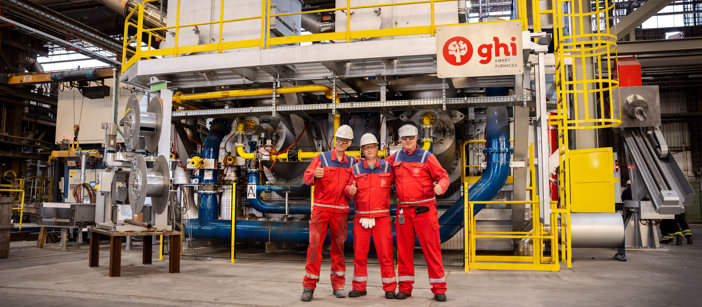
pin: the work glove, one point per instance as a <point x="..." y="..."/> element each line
<point x="367" y="223"/>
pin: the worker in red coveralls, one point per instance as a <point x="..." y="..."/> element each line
<point x="329" y="173"/>
<point x="371" y="186"/>
<point x="418" y="179"/>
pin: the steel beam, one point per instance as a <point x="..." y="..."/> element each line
<point x="361" y="106"/>
<point x="644" y="12"/>
<point x="17" y="92"/>
<point x="76" y="28"/>
<point x="45" y="36"/>
<point x="46" y="77"/>
<point x="662" y="46"/>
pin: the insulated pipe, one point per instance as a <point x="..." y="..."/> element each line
<point x="497" y="153"/>
<point x="180" y="97"/>
<point x="153" y="17"/>
<point x="209" y="204"/>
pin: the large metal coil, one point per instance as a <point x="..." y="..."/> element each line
<point x="597" y="230"/>
<point x="142" y="120"/>
<point x="149" y="182"/>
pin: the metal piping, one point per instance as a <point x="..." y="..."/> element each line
<point x="209" y="200"/>
<point x="35" y="32"/>
<point x="310" y="155"/>
<point x="82" y="31"/>
<point x="264" y="207"/>
<point x="498" y="155"/>
<point x="153" y="16"/>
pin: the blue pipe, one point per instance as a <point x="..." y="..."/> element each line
<point x="265" y="207"/>
<point x="279" y="208"/>
<point x="209" y="201"/>
<point x="257" y="230"/>
<point x="497" y="153"/>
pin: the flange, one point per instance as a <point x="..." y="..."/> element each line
<point x="137" y="184"/>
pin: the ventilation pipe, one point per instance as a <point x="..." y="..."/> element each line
<point x="153" y="17"/>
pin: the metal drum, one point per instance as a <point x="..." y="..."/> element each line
<point x="144" y="182"/>
<point x="142" y="122"/>
<point x="597" y="230"/>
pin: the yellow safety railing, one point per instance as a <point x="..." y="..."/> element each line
<point x="233" y="220"/>
<point x="584" y="47"/>
<point x="537" y="260"/>
<point x="265" y="41"/>
<point x="18" y="188"/>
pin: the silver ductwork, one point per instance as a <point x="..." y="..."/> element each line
<point x="153" y="17"/>
<point x="314" y="23"/>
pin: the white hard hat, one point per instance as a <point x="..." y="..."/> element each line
<point x="368" y="138"/>
<point x="344" y="132"/>
<point x="408" y="130"/>
<point x="628" y="182"/>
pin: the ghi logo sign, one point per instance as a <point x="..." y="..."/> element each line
<point x="478" y="50"/>
<point x="458" y="50"/>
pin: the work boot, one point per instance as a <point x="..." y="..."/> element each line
<point x="307" y="294"/>
<point x="340" y="293"/>
<point x="402" y="295"/>
<point x="440" y="297"/>
<point x="678" y="240"/>
<point x="666" y="240"/>
<point x="689" y="239"/>
<point x="389" y="295"/>
<point x="356" y="293"/>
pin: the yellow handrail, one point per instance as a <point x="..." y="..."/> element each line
<point x="233" y="219"/>
<point x="21" y="208"/>
<point x="265" y="40"/>
<point x="536" y="261"/>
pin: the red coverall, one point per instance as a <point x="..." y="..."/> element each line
<point x="373" y="201"/>
<point x="330" y="209"/>
<point x="415" y="174"/>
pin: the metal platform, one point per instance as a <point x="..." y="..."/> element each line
<point x="315" y="63"/>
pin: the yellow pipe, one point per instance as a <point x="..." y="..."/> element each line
<point x="180" y="97"/>
<point x="245" y="155"/>
<point x="427" y="145"/>
<point x="427" y="120"/>
<point x="306" y="154"/>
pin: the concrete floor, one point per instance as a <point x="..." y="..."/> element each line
<point x="49" y="277"/>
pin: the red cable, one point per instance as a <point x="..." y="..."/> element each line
<point x="196" y="142"/>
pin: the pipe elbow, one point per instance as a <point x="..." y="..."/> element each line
<point x="427" y="145"/>
<point x="246" y="155"/>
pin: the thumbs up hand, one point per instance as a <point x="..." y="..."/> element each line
<point x="353" y="189"/>
<point x="319" y="172"/>
<point x="437" y="189"/>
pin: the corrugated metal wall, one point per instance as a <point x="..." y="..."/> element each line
<point x="676" y="133"/>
